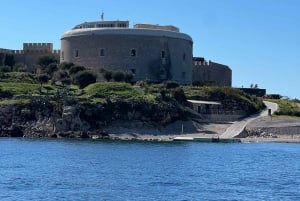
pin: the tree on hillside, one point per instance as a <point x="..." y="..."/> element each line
<point x="59" y="75"/>
<point x="66" y="65"/>
<point x="178" y="94"/>
<point x="75" y="69"/>
<point x="44" y="61"/>
<point x="107" y="75"/>
<point x="51" y="68"/>
<point x="85" y="78"/>
<point x="118" y="76"/>
<point x="43" y="78"/>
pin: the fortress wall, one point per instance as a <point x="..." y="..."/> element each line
<point x="30" y="54"/>
<point x="148" y="62"/>
<point x="212" y="73"/>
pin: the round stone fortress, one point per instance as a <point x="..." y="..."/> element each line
<point x="150" y="52"/>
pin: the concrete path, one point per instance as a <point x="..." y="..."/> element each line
<point x="238" y="127"/>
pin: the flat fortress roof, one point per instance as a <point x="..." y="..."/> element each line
<point x="126" y="31"/>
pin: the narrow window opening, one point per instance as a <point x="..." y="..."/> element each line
<point x="102" y="52"/>
<point x="76" y="53"/>
<point x="133" y="52"/>
<point x="133" y="71"/>
<point x="163" y="54"/>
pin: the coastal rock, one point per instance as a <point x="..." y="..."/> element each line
<point x="70" y="120"/>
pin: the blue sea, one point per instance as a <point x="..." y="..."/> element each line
<point x="41" y="169"/>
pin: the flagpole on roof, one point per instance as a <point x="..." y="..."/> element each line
<point x="102" y="16"/>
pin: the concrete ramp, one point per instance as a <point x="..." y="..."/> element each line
<point x="238" y="127"/>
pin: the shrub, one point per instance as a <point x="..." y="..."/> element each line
<point x="118" y="76"/>
<point x="178" y="94"/>
<point x="59" y="75"/>
<point x="107" y="75"/>
<point x="20" y="67"/>
<point x="5" y="69"/>
<point x="128" y="76"/>
<point x="66" y="81"/>
<point x="66" y="65"/>
<point x="51" y="68"/>
<point x="43" y="78"/>
<point x="85" y="78"/>
<point x="44" y="61"/>
<point x="75" y="69"/>
<point x="171" y="84"/>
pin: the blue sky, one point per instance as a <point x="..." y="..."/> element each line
<point x="258" y="39"/>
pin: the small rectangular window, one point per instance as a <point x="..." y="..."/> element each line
<point x="76" y="53"/>
<point x="102" y="52"/>
<point x="163" y="54"/>
<point x="62" y="55"/>
<point x="133" y="71"/>
<point x="133" y="52"/>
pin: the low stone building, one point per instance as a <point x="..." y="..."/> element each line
<point x="214" y="111"/>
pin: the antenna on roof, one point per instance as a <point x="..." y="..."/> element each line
<point x="102" y="16"/>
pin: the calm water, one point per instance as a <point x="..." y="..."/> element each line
<point x="87" y="170"/>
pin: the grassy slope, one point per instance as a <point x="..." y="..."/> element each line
<point x="98" y="92"/>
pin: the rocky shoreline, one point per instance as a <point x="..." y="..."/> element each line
<point x="21" y="122"/>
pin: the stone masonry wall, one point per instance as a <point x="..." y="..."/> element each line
<point x="148" y="63"/>
<point x="212" y="73"/>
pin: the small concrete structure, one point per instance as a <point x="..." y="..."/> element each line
<point x="206" y="107"/>
<point x="214" y="111"/>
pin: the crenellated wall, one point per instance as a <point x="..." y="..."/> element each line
<point x="30" y="54"/>
<point x="46" y="47"/>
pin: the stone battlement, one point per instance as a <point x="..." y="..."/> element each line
<point x="47" y="47"/>
<point x="17" y="51"/>
<point x="202" y="63"/>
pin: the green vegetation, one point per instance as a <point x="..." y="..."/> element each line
<point x="115" y="91"/>
<point x="84" y="78"/>
<point x="231" y="99"/>
<point x="63" y="84"/>
<point x="287" y="107"/>
<point x="19" y="89"/>
<point x="19" y="77"/>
